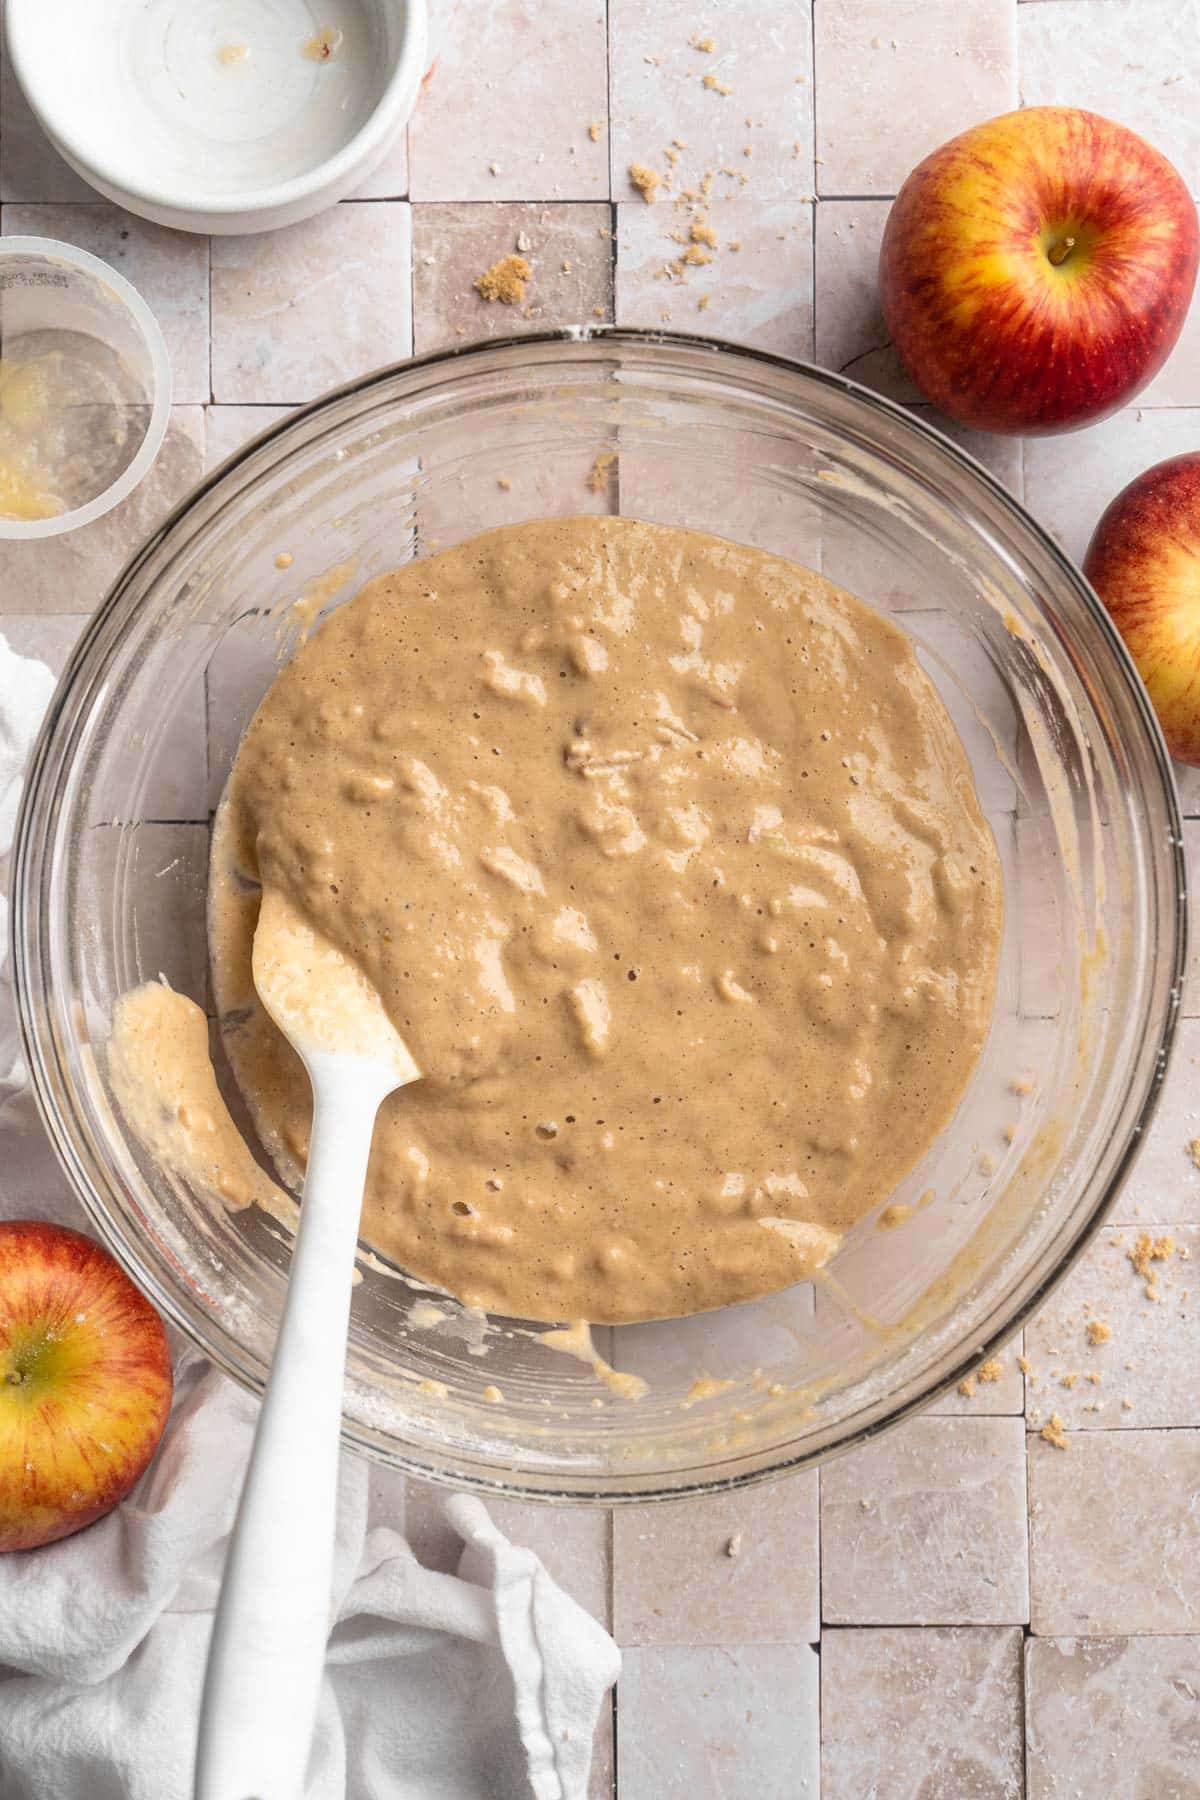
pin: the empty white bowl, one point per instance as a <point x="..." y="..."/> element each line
<point x="220" y="115"/>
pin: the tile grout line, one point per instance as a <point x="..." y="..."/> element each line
<point x="208" y="268"/>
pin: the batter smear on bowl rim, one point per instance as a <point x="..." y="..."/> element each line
<point x="668" y="864"/>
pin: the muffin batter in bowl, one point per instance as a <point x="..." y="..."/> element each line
<point x="667" y="862"/>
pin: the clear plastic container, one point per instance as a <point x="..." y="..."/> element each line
<point x="111" y="870"/>
<point x="85" y="388"/>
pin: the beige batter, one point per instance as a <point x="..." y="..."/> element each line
<point x="666" y="860"/>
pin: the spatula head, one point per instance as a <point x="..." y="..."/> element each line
<point x="321" y="1001"/>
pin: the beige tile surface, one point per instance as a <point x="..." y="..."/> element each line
<point x="874" y="63"/>
<point x="851" y="337"/>
<point x="568" y="248"/>
<point x="1137" y="61"/>
<point x="300" y="310"/>
<point x="727" y="1724"/>
<point x="1165" y="1183"/>
<point x="1178" y="382"/>
<point x="1113" y="1716"/>
<point x="732" y="1569"/>
<point x="658" y="83"/>
<point x="1114" y="1533"/>
<point x="489" y="101"/>
<point x="1070" y="481"/>
<point x="1148" y="1366"/>
<point x="227" y="428"/>
<point x="72" y="573"/>
<point x="390" y="180"/>
<point x="759" y="293"/>
<point x="927" y="1525"/>
<point x="30" y="168"/>
<point x="931" y="1713"/>
<point x="1187" y="780"/>
<point x="168" y="268"/>
<point x="1191" y="984"/>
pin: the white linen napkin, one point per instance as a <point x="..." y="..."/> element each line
<point x="485" y="1685"/>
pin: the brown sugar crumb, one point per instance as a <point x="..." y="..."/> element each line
<point x="679" y="143"/>
<point x="1146" y="1251"/>
<point x="1069" y="1381"/>
<point x="1025" y="1366"/>
<point x="502" y="481"/>
<point x="1127" y="1405"/>
<point x="735" y="243"/>
<point x="594" y="132"/>
<point x="505" y="280"/>
<point x="1055" y="1433"/>
<point x="597" y="476"/>
<point x="1021" y="1085"/>
<point x="1194" y="1151"/>
<point x="566" y="268"/>
<point x="716" y="87"/>
<point x="702" y="43"/>
<point x="733" y="1546"/>
<point x="1095" y="1377"/>
<point x="966" y="1387"/>
<point x="993" y="1369"/>
<point x="702" y="303"/>
<point x="1098" y="1331"/>
<point x="645" y="180"/>
<point x="703" y="233"/>
<point x="696" y="256"/>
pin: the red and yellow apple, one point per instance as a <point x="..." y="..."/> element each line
<point x="1036" y="271"/>
<point x="85" y="1383"/>
<point x="1144" y="562"/>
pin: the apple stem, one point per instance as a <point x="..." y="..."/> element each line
<point x="17" y="1377"/>
<point x="1059" y="252"/>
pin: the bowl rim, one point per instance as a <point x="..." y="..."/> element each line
<point x="594" y="1489"/>
<point x="391" y="110"/>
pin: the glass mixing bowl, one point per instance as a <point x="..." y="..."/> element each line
<point x="111" y="862"/>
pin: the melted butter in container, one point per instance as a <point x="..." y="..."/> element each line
<point x="667" y="862"/>
<point x="84" y="388"/>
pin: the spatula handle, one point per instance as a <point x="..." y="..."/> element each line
<point x="263" y="1682"/>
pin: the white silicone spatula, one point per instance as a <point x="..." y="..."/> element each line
<point x="263" y="1681"/>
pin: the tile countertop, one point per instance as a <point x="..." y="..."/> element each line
<point x="960" y="1610"/>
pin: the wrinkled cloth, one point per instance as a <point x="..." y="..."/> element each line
<point x="485" y="1685"/>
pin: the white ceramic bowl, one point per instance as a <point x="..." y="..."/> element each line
<point x="220" y="115"/>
